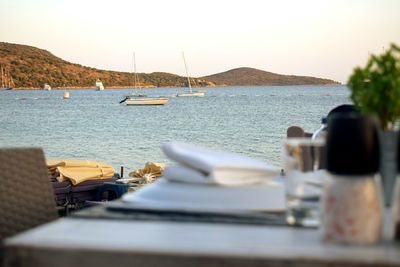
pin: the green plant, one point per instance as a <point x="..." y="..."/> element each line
<point x="375" y="89"/>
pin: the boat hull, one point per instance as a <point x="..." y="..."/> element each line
<point x="191" y="94"/>
<point x="146" y="101"/>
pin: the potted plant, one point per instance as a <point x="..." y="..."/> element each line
<point x="375" y="90"/>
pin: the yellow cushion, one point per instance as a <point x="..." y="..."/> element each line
<point x="78" y="171"/>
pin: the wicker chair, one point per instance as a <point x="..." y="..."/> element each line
<point x="26" y="194"/>
<point x="298" y="132"/>
<point x="295" y="131"/>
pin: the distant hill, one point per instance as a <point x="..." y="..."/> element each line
<point x="31" y="67"/>
<point x="250" y="76"/>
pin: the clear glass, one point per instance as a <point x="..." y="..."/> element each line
<point x="320" y="133"/>
<point x="304" y="181"/>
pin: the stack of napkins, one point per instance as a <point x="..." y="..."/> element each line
<point x="199" y="165"/>
<point x="210" y="180"/>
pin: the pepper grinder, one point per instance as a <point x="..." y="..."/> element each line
<point x="351" y="204"/>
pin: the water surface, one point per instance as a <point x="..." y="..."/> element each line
<point x="251" y="121"/>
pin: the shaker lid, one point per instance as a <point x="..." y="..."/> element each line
<point x="352" y="145"/>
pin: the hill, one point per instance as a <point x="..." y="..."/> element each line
<point x="32" y="67"/>
<point x="250" y="76"/>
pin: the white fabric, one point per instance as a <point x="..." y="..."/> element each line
<point x="164" y="194"/>
<point x="180" y="173"/>
<point x="199" y="165"/>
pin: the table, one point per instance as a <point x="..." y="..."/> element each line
<point x="75" y="241"/>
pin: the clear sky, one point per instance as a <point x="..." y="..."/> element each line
<point x="322" y="38"/>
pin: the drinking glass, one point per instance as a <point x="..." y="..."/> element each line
<point x="304" y="180"/>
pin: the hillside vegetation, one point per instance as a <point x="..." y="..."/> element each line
<point x="250" y="76"/>
<point x="31" y="67"/>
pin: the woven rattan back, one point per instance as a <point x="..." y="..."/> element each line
<point x="295" y="131"/>
<point x="26" y="194"/>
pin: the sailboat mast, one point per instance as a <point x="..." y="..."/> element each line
<point x="12" y="84"/>
<point x="2" y="78"/>
<point x="6" y="79"/>
<point x="134" y="70"/>
<point x="187" y="74"/>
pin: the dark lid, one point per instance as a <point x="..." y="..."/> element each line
<point x="345" y="108"/>
<point x="352" y="144"/>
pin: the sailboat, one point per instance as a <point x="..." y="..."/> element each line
<point x="141" y="99"/>
<point x="99" y="85"/>
<point x="191" y="93"/>
<point x="7" y="82"/>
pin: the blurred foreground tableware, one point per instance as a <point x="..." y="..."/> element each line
<point x="303" y="180"/>
<point x="214" y="181"/>
<point x="201" y="165"/>
<point x="352" y="202"/>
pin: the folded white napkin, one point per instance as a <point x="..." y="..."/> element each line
<point x="199" y="165"/>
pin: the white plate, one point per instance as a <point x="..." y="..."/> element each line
<point x="268" y="196"/>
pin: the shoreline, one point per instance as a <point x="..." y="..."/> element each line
<point x="153" y="87"/>
<point x="106" y="88"/>
<point x="83" y="88"/>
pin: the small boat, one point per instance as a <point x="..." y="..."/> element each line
<point x="136" y="101"/>
<point x="47" y="87"/>
<point x="191" y="93"/>
<point x="7" y="82"/>
<point x="66" y="95"/>
<point x="141" y="99"/>
<point x="99" y="85"/>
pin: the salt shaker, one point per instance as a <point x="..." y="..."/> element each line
<point x="351" y="202"/>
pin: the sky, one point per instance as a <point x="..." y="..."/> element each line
<point x="320" y="38"/>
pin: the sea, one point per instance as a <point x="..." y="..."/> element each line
<point x="93" y="125"/>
